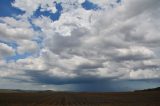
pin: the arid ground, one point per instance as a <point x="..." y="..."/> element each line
<point x="140" y="98"/>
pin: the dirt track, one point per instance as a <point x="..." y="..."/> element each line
<point x="80" y="99"/>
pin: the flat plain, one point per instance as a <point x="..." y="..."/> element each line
<point x="49" y="98"/>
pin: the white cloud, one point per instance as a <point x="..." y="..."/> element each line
<point x="48" y="5"/>
<point x="104" y="2"/>
<point x="27" y="46"/>
<point x="9" y="33"/>
<point x="30" y="6"/>
<point x="136" y="7"/>
<point x="22" y="23"/>
<point x="102" y="37"/>
<point x="132" y="53"/>
<point x="6" y="51"/>
<point x="32" y="63"/>
<point x="116" y="43"/>
<point x="20" y="32"/>
<point x="144" y="74"/>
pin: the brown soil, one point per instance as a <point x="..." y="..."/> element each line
<point x="151" y="98"/>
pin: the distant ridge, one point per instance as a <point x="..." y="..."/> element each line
<point x="22" y="91"/>
<point x="151" y="89"/>
<point x="9" y="91"/>
<point x="49" y="91"/>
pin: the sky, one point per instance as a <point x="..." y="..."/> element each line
<point x="80" y="45"/>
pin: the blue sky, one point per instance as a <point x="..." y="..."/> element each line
<point x="8" y="10"/>
<point x="78" y="45"/>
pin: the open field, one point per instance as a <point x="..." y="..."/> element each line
<point x="147" y="98"/>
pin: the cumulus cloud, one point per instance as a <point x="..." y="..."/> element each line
<point x="134" y="53"/>
<point x="6" y="51"/>
<point x="118" y="42"/>
<point x="104" y="2"/>
<point x="31" y="6"/>
<point x="11" y="33"/>
<point x="144" y="74"/>
<point x="27" y="46"/>
<point x="19" y="32"/>
<point x="114" y="35"/>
